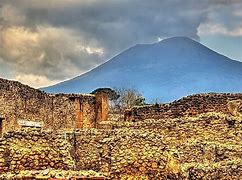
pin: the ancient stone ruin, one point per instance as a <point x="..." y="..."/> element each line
<point x="193" y="105"/>
<point x="59" y="137"/>
<point x="194" y="148"/>
<point x="56" y="111"/>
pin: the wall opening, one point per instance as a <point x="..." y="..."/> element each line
<point x="1" y="126"/>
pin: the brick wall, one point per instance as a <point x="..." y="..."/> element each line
<point x="188" y="106"/>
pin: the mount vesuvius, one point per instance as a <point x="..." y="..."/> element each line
<point x="165" y="71"/>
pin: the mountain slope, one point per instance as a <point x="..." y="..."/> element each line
<point x="167" y="70"/>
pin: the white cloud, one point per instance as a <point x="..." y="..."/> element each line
<point x="56" y="53"/>
<point x="218" y="29"/>
<point x="34" y="80"/>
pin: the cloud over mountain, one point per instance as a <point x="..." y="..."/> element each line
<point x="58" y="39"/>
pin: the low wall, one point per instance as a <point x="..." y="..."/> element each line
<point x="188" y="106"/>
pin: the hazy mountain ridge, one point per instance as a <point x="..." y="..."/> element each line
<point x="167" y="70"/>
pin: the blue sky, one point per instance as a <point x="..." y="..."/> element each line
<point x="48" y="41"/>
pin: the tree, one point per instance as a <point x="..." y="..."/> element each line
<point x="128" y="98"/>
<point x="122" y="98"/>
<point x="112" y="95"/>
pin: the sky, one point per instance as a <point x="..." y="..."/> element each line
<point x="43" y="42"/>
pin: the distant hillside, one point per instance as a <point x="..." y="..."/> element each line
<point x="166" y="71"/>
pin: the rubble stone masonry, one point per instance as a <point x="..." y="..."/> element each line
<point x="188" y="106"/>
<point x="57" y="111"/>
<point x="183" y="148"/>
<point x="34" y="150"/>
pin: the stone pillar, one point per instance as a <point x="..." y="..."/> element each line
<point x="85" y="112"/>
<point x="79" y="114"/>
<point x="89" y="112"/>
<point x="102" y="106"/>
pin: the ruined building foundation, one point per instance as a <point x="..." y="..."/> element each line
<point x="56" y="111"/>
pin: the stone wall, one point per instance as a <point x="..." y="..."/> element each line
<point x="158" y="149"/>
<point x="59" y="111"/>
<point x="112" y="153"/>
<point x="34" y="150"/>
<point x="188" y="106"/>
<point x="207" y="145"/>
<point x="119" y="153"/>
<point x="36" y="154"/>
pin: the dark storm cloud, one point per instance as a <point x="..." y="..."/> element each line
<point x="119" y="24"/>
<point x="58" y="39"/>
